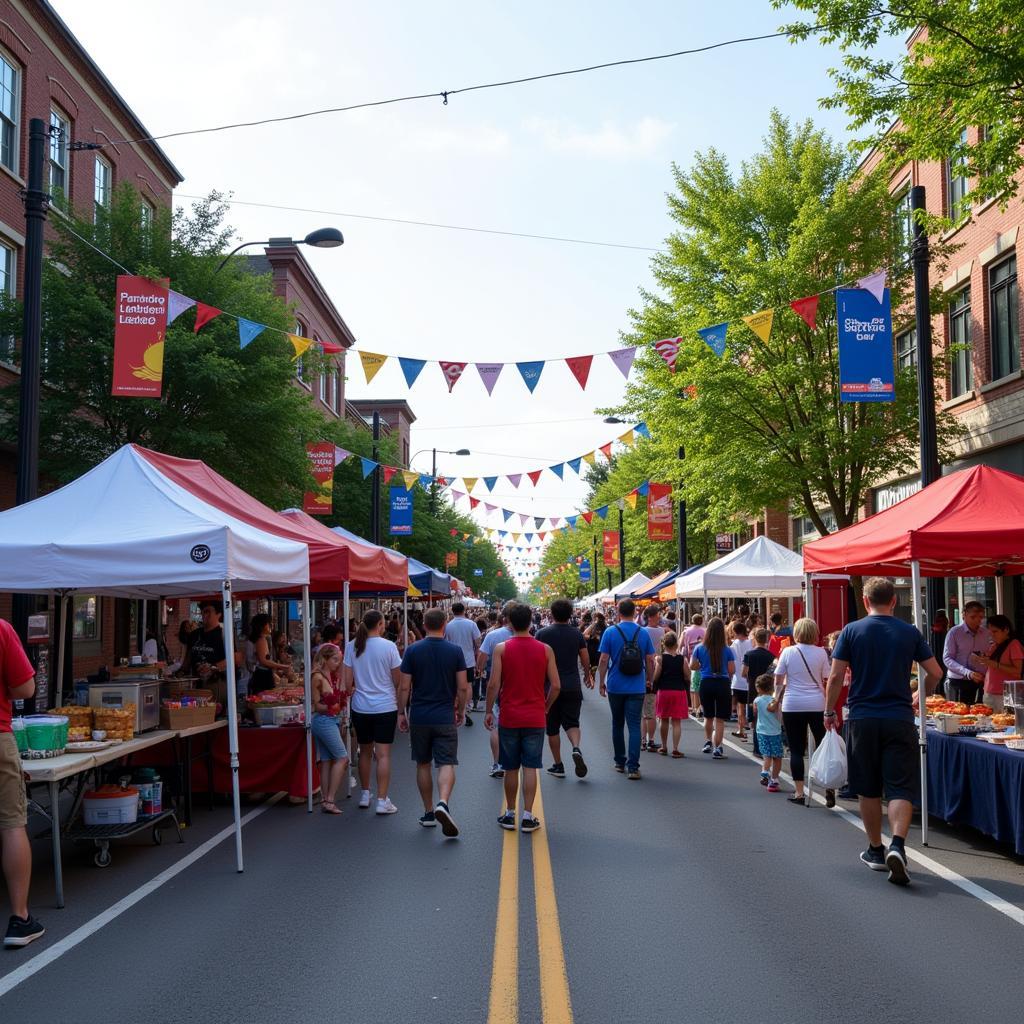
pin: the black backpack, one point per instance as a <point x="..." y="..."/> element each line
<point x="631" y="659"/>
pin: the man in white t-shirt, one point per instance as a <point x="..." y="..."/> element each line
<point x="742" y="691"/>
<point x="464" y="633"/>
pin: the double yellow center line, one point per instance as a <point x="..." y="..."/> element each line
<point x="556" y="1007"/>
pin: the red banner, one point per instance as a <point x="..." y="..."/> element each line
<point x="321" y="501"/>
<point x="451" y="559"/>
<point x="659" y="512"/>
<point x="140" y="323"/>
<point x="611" y="547"/>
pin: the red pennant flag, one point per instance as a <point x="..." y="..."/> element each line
<point x="807" y="310"/>
<point x="452" y="372"/>
<point x="204" y="314"/>
<point x="389" y="472"/>
<point x="535" y="476"/>
<point x="668" y="349"/>
<point x="442" y="481"/>
<point x="473" y="502"/>
<point x="580" y="366"/>
<point x="331" y="348"/>
<point x="542" y="535"/>
<point x="588" y="517"/>
<point x="454" y="533"/>
<point x="606" y="451"/>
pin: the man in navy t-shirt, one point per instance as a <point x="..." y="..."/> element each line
<point x="435" y="672"/>
<point x="880" y="652"/>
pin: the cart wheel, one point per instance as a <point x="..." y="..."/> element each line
<point x="158" y="836"/>
<point x="102" y="858"/>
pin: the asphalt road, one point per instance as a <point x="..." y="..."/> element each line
<point x="693" y="894"/>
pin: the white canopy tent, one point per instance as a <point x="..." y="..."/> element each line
<point x="638" y="581"/>
<point x="123" y="529"/>
<point x="759" y="568"/>
<point x="592" y="600"/>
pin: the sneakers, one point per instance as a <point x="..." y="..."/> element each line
<point x="497" y="772"/>
<point x="364" y="798"/>
<point x="508" y="820"/>
<point x="581" y="765"/>
<point x="633" y="774"/>
<point x="643" y="746"/>
<point x="557" y="771"/>
<point x="765" y="778"/>
<point x="830" y="798"/>
<point x="874" y="857"/>
<point x="427" y="819"/>
<point x="443" y="815"/>
<point x="22" y="931"/>
<point x="718" y="754"/>
<point x="620" y="768"/>
<point x="707" y="748"/>
<point x="385" y="806"/>
<point x="896" y="862"/>
<point x="773" y="786"/>
<point x="530" y="824"/>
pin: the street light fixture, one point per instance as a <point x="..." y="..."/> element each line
<point x="613" y="419"/>
<point x="322" y="238"/>
<point x="433" y="469"/>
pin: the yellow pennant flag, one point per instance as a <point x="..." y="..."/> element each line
<point x="761" y="323"/>
<point x="299" y="344"/>
<point x="516" y="536"/>
<point x="409" y="479"/>
<point x="590" y="457"/>
<point x="627" y="438"/>
<point x="470" y="482"/>
<point x="372" y="362"/>
<point x="631" y="498"/>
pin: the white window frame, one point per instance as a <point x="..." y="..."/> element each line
<point x="147" y="213"/>
<point x="338" y="380"/>
<point x="59" y="148"/>
<point x="906" y="354"/>
<point x="8" y="267"/>
<point x="903" y="215"/>
<point x="300" y="331"/>
<point x="100" y="203"/>
<point x="17" y="73"/>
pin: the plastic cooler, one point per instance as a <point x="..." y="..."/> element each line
<point x="111" y="805"/>
<point x="46" y="732"/>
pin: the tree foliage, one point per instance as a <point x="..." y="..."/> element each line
<point x="966" y="69"/>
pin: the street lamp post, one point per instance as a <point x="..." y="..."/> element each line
<point x="594" y="564"/>
<point x="682" y="518"/>
<point x="433" y="470"/>
<point x="622" y="551"/>
<point x="322" y="238"/>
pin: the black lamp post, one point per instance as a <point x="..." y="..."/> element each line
<point x="682" y="519"/>
<point x="433" y="470"/>
<point x="322" y="238"/>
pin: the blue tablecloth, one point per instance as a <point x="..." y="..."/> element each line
<point x="980" y="784"/>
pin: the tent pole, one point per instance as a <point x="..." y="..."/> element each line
<point x="915" y="592"/>
<point x="231" y="702"/>
<point x="999" y="594"/>
<point x="405" y="623"/>
<point x="351" y="734"/>
<point x="307" y="697"/>
<point x="62" y="629"/>
<point x="808" y="596"/>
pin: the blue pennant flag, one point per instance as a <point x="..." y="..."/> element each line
<point x="531" y="373"/>
<point x="490" y="481"/>
<point x="574" y="465"/>
<point x="247" y="330"/>
<point x="503" y="533"/>
<point x="641" y="429"/>
<point x="602" y="511"/>
<point x="558" y="470"/>
<point x="507" y="514"/>
<point x="643" y="489"/>
<point x="368" y="466"/>
<point x="528" y="536"/>
<point x="714" y="338"/>
<point x="425" y="481"/>
<point x="411" y="368"/>
<point x="571" y="520"/>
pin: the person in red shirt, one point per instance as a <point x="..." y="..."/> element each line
<point x="17" y="682"/>
<point x="519" y="669"/>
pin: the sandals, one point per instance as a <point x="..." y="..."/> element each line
<point x="740" y="735"/>
<point x="663" y="750"/>
<point x="330" y="807"/>
<point x="678" y="753"/>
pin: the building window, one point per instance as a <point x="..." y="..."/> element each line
<point x="300" y="330"/>
<point x="332" y="384"/>
<point x="60" y="139"/>
<point x="339" y="388"/>
<point x="147" y="211"/>
<point x="10" y="104"/>
<point x="961" y="377"/>
<point x="323" y="388"/>
<point x="1004" y="318"/>
<point x="957" y="186"/>
<point x="903" y="219"/>
<point x="86" y="617"/>
<point x="7" y="279"/>
<point x="804" y="530"/>
<point x="906" y="349"/>
<point x="103" y="184"/>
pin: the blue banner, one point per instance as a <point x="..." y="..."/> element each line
<point x="478" y="572"/>
<point x="401" y="511"/>
<point x="585" y="571"/>
<point x="866" y="369"/>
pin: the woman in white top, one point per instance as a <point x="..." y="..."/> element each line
<point x="371" y="674"/>
<point x="800" y="677"/>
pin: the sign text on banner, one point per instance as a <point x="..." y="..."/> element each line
<point x="140" y="324"/>
<point x="723" y="543"/>
<point x="478" y="572"/>
<point x="611" y="547"/>
<point x="866" y="370"/>
<point x="321" y="501"/>
<point x="659" y="512"/>
<point x="401" y="512"/>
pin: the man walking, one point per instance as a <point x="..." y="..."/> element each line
<point x="434" y="672"/>
<point x="499" y="633"/>
<point x="880" y="651"/>
<point x="570" y="653"/>
<point x="17" y="682"/>
<point x="625" y="671"/>
<point x="519" y="669"/>
<point x="465" y="633"/>
<point x="963" y="683"/>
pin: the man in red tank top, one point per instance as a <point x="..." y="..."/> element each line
<point x="520" y="667"/>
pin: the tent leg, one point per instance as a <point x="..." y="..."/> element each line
<point x="915" y="593"/>
<point x="62" y="628"/>
<point x="307" y="685"/>
<point x="1000" y="580"/>
<point x="405" y="620"/>
<point x="351" y="735"/>
<point x="231" y="709"/>
<point x="808" y="596"/>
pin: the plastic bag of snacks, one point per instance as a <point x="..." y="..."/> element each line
<point x="117" y="723"/>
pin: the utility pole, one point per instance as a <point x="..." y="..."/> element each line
<point x="682" y="518"/>
<point x="433" y="485"/>
<point x="375" y="487"/>
<point x="622" y="551"/>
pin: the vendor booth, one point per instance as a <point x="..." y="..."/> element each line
<point x="759" y="568"/>
<point x="969" y="523"/>
<point x="638" y="581"/>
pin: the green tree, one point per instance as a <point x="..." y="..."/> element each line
<point x="236" y="409"/>
<point x="966" y="69"/>
<point x="764" y="425"/>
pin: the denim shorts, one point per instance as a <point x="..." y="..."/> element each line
<point x="520" y="748"/>
<point x="770" y="744"/>
<point x="329" y="746"/>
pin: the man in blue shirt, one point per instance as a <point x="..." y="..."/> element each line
<point x="625" y="690"/>
<point x="880" y="652"/>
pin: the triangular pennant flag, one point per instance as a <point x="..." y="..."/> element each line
<point x="580" y="366"/>
<point x="177" y="304"/>
<point x="627" y="438"/>
<point x="490" y="508"/>
<point x="340" y="455"/>
<point x="606" y="451"/>
<point x="874" y="283"/>
<point x="507" y="513"/>
<point x="761" y="323"/>
<point x="473" y="502"/>
<point x="247" y="330"/>
<point x="299" y="345"/>
<point x="643" y="489"/>
<point x="538" y="521"/>
<point x="489" y="482"/>
<point x="452" y="372"/>
<point x="555" y="520"/>
<point x="489" y="374"/>
<point x="466" y="536"/>
<point x="588" y="517"/>
<point x="623" y="359"/>
<point x="571" y="520"/>
<point x="514" y="479"/>
<point x="558" y="470"/>
<point x="714" y="338"/>
<point x="372" y="362"/>
<point x="574" y="464"/>
<point x="535" y="476"/>
<point x="602" y="511"/>
<point x="531" y="373"/>
<point x="529" y="538"/>
<point x="205" y="313"/>
<point x="641" y="429"/>
<point x="331" y="348"/>
<point x="522" y="518"/>
<point x="542" y="536"/>
<point x="631" y="498"/>
<point x="668" y="349"/>
<point x="515" y="538"/>
<point x="411" y="368"/>
<point x="590" y="457"/>
<point x="368" y="466"/>
<point x="456" y="495"/>
<point x="807" y="310"/>
<point x="425" y="481"/>
<point x="470" y="482"/>
<point x="409" y="478"/>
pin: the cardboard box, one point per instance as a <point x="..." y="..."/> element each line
<point x="187" y="718"/>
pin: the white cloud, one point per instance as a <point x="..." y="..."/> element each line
<point x="612" y="141"/>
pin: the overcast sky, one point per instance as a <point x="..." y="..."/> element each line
<point x="585" y="157"/>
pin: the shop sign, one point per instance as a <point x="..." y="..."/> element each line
<point x="723" y="543"/>
<point x="893" y="494"/>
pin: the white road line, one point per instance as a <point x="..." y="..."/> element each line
<point x="979" y="892"/>
<point x="80" y="934"/>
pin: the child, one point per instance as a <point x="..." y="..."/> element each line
<point x="769" y="731"/>
<point x="670" y="693"/>
<point x="740" y="693"/>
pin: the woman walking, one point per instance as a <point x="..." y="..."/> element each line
<point x="328" y="701"/>
<point x="715" y="661"/>
<point x="670" y="700"/>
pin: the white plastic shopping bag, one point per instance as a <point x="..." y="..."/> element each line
<point x="828" y="765"/>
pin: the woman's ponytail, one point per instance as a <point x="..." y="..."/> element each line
<point x="371" y="620"/>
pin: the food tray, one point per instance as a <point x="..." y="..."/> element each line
<point x="1015" y="744"/>
<point x="88" y="745"/>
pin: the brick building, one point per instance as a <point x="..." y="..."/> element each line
<point x="396" y="418"/>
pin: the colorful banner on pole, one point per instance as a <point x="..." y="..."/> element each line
<point x="585" y="571"/>
<point x="866" y="369"/>
<point x="611" y="547"/>
<point x="321" y="457"/>
<point x="659" y="512"/>
<point x="140" y="324"/>
<point x="401" y="512"/>
<point x="451" y="559"/>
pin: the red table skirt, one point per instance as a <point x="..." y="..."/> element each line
<point x="269" y="760"/>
